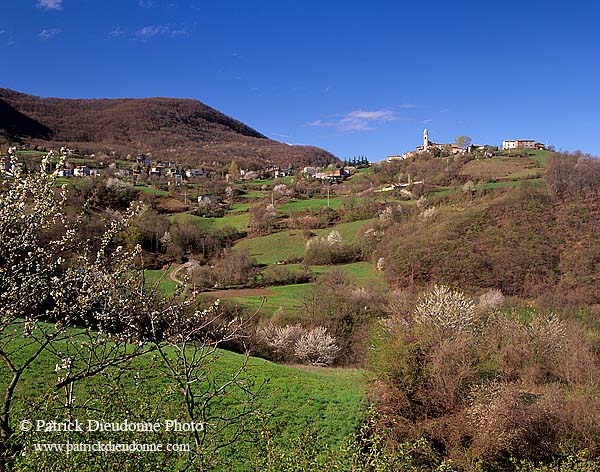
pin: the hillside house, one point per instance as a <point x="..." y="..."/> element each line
<point x="333" y="175"/>
<point x="521" y="144"/>
<point x="191" y="173"/>
<point x="249" y="175"/>
<point x="207" y="199"/>
<point x="157" y="171"/>
<point x="280" y="173"/>
<point x="5" y="165"/>
<point x="143" y="159"/>
<point x="81" y="171"/>
<point x="64" y="173"/>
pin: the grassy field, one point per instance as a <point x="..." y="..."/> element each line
<point x="240" y="207"/>
<point x="500" y="168"/>
<point x="309" y="205"/>
<point x="360" y="273"/>
<point x="274" y="247"/>
<point x="538" y="155"/>
<point x="160" y="277"/>
<point x="289" y="297"/>
<point x="238" y="221"/>
<point x="492" y="185"/>
<point x="151" y="190"/>
<point x="284" y="296"/>
<point x="348" y="231"/>
<point x="204" y="224"/>
<point x="512" y="183"/>
<point x="292" y="400"/>
<point x="254" y="194"/>
<point x="289" y="244"/>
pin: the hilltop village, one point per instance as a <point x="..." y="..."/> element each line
<point x="463" y="146"/>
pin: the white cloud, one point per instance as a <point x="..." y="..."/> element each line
<point x="148" y="32"/>
<point x="358" y="120"/>
<point x="118" y="32"/>
<point x="50" y="4"/>
<point x="147" y="3"/>
<point x="50" y="33"/>
<point x="6" y="37"/>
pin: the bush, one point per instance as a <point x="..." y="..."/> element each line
<point x="330" y="250"/>
<point x="445" y="310"/>
<point x="295" y="343"/>
<point x="316" y="347"/>
<point x="486" y="388"/>
<point x="493" y="298"/>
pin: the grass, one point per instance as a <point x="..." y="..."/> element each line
<point x="290" y="244"/>
<point x="30" y="152"/>
<point x="512" y="183"/>
<point x="151" y="190"/>
<point x="274" y="247"/>
<point x="540" y="156"/>
<point x="539" y="181"/>
<point x="63" y="180"/>
<point x="292" y="400"/>
<point x="238" y="221"/>
<point x="290" y="296"/>
<point x="498" y="168"/>
<point x="348" y="230"/>
<point x="309" y="205"/>
<point x="254" y="194"/>
<point x="360" y="273"/>
<point x="160" y="277"/>
<point x="204" y="224"/>
<point x="284" y="296"/>
<point x="240" y="207"/>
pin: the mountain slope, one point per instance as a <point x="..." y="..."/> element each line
<point x="176" y="129"/>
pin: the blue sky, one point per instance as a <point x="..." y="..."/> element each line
<point x="354" y="77"/>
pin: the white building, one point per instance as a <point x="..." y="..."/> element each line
<point x="521" y="144"/>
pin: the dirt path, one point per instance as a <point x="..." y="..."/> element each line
<point x="173" y="274"/>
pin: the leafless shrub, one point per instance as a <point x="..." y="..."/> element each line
<point x="509" y="420"/>
<point x="452" y="365"/>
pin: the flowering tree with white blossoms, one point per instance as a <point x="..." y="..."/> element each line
<point x="446" y="310"/>
<point x="86" y="304"/>
<point x="316" y="347"/>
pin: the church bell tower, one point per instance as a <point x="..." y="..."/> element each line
<point x="425" y="139"/>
